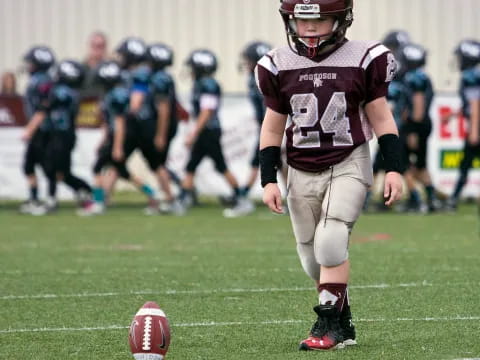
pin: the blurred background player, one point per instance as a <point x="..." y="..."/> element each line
<point x="249" y="58"/>
<point x="204" y="140"/>
<point x="143" y="120"/>
<point x="399" y="98"/>
<point x="62" y="111"/>
<point x="418" y="127"/>
<point x="116" y="140"/>
<point x="38" y="60"/>
<point x="163" y="99"/>
<point x="468" y="57"/>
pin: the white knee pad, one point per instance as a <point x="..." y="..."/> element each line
<point x="331" y="242"/>
<point x="307" y="258"/>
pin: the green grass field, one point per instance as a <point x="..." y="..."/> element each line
<point x="232" y="288"/>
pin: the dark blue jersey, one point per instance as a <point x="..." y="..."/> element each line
<point x="469" y="88"/>
<point x="419" y="82"/>
<point x="36" y="96"/>
<point x="115" y="103"/>
<point x="163" y="89"/>
<point x="63" y="108"/>
<point x="256" y="98"/>
<point x="207" y="94"/>
<point x="399" y="98"/>
<point x="140" y="83"/>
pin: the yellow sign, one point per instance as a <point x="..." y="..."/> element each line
<point x="451" y="159"/>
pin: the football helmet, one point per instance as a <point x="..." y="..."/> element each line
<point x="69" y="72"/>
<point x="202" y="62"/>
<point x="412" y="56"/>
<point x="255" y="51"/>
<point x="159" y="56"/>
<point x="132" y="51"/>
<point x="396" y="39"/>
<point x="341" y="10"/>
<point x="40" y="57"/>
<point x="468" y="53"/>
<point x="108" y="73"/>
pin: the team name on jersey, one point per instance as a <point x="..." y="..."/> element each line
<point x="317" y="78"/>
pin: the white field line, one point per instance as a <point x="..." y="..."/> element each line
<point x="236" y="323"/>
<point x="204" y="292"/>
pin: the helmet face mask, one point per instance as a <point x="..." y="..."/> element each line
<point x="311" y="46"/>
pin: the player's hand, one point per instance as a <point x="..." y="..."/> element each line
<point x="117" y="154"/>
<point x="27" y="135"/>
<point x="190" y="139"/>
<point x="393" y="187"/>
<point x="160" y="142"/>
<point x="473" y="138"/>
<point x="273" y="198"/>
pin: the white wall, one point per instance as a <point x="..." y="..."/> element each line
<point x="225" y="26"/>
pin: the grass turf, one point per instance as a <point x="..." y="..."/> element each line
<point x="232" y="288"/>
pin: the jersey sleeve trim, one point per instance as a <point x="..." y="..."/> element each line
<point x="372" y="54"/>
<point x="267" y="63"/>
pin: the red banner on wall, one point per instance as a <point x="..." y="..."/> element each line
<point x="12" y="112"/>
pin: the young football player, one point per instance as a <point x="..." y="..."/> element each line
<point x="62" y="111"/>
<point x="143" y="118"/>
<point x="204" y="140"/>
<point x="38" y="60"/>
<point x="419" y="125"/>
<point x="468" y="58"/>
<point x="335" y="92"/>
<point x="116" y="141"/>
<point x="163" y="99"/>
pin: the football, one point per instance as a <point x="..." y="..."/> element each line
<point x="149" y="334"/>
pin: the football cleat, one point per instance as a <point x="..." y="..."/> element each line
<point x="326" y="333"/>
<point x="91" y="209"/>
<point x="153" y="207"/>
<point x="243" y="207"/>
<point x="347" y="327"/>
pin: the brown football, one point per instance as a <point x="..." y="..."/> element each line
<point x="149" y="334"/>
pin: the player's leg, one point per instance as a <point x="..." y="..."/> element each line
<point x="30" y="160"/>
<point x="342" y="203"/>
<point x="197" y="153"/>
<point x="465" y="166"/>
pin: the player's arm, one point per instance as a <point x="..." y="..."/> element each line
<point x="473" y="136"/>
<point x="271" y="136"/>
<point x="163" y="123"/>
<point x="418" y="100"/>
<point x="381" y="119"/>
<point x="118" y="138"/>
<point x="202" y="120"/>
<point x="32" y="127"/>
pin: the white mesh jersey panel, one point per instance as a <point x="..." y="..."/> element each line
<point x="350" y="54"/>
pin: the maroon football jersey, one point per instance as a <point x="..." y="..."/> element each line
<point x="325" y="99"/>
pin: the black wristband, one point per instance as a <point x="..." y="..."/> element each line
<point x="269" y="164"/>
<point x="392" y="153"/>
